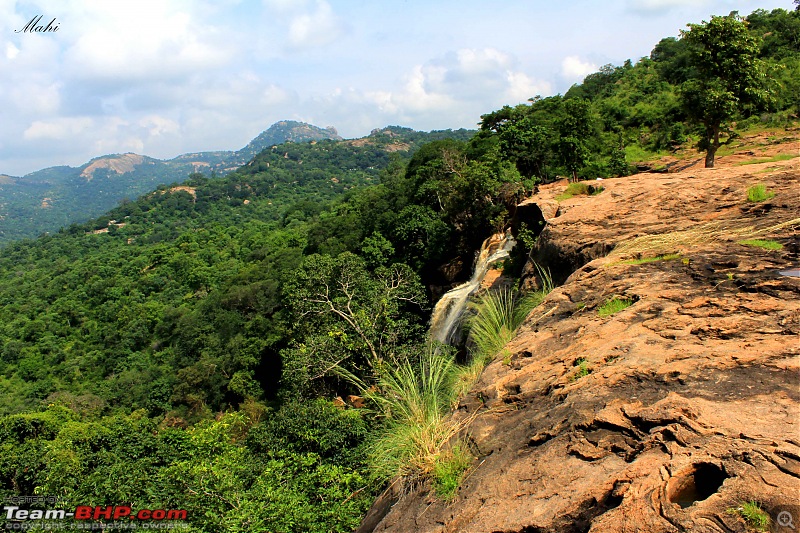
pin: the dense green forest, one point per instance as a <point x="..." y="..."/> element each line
<point x="183" y="350"/>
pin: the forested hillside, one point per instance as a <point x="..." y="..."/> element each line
<point x="45" y="200"/>
<point x="183" y="350"/>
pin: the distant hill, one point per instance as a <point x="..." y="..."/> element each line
<point x="45" y="200"/>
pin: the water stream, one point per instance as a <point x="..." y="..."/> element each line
<point x="450" y="307"/>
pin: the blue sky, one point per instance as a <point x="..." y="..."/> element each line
<point x="161" y="78"/>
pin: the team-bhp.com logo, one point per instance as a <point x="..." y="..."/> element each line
<point x="90" y="517"/>
<point x="84" y="512"/>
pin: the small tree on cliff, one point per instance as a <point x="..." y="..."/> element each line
<point x="729" y="77"/>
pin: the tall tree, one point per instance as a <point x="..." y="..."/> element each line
<point x="574" y="129"/>
<point x="730" y="77"/>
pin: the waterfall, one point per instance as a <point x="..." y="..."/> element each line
<point x="451" y="306"/>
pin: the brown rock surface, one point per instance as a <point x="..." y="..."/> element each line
<point x="692" y="403"/>
<point x="121" y="164"/>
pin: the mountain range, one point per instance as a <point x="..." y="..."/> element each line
<point x="47" y="199"/>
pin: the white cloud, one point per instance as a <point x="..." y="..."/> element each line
<point x="448" y="91"/>
<point x="58" y="128"/>
<point x="157" y="125"/>
<point x="11" y="51"/>
<point x="661" y="6"/>
<point x="521" y="87"/>
<point x="125" y="42"/>
<point x="316" y="28"/>
<point x="575" y="69"/>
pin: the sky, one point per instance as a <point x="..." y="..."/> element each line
<point x="166" y="77"/>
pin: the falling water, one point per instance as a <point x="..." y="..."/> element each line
<point x="451" y="306"/>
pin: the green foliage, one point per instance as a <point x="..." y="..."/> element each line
<point x="497" y="316"/>
<point x="614" y="305"/>
<point x="449" y="471"/>
<point x="364" y="314"/>
<point x="582" y="369"/>
<point x="644" y="260"/>
<point x="777" y="157"/>
<point x="181" y="352"/>
<point x="762" y="243"/>
<point x="759" y="193"/>
<point x="754" y="515"/>
<point x="227" y="474"/>
<point x="415" y="399"/>
<point x="574" y="129"/>
<point x="578" y="188"/>
<point x="730" y="76"/>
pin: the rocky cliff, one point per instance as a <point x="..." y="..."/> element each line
<point x="664" y="416"/>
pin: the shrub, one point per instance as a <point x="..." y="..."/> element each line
<point x="583" y="369"/>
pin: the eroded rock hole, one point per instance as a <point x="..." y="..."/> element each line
<point x="695" y="484"/>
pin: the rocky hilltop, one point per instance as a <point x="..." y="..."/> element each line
<point x="664" y="416"/>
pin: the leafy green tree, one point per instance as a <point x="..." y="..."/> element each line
<point x="365" y="312"/>
<point x="574" y="129"/>
<point x="730" y="77"/>
<point x="528" y="145"/>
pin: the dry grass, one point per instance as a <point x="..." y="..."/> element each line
<point x="711" y="232"/>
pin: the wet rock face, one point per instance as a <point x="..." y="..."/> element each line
<point x="665" y="416"/>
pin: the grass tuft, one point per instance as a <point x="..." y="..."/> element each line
<point x="759" y="193"/>
<point x="778" y="157"/>
<point x="576" y="189"/>
<point x="761" y="243"/>
<point x="498" y="315"/>
<point x="754" y="515"/>
<point x="583" y="369"/>
<point x="643" y="260"/>
<point x="415" y="400"/>
<point x="449" y="470"/>
<point x="701" y="234"/>
<point x="614" y="305"/>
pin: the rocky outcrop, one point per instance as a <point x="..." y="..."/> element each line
<point x="665" y="416"/>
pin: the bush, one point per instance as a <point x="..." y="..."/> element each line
<point x="579" y="188"/>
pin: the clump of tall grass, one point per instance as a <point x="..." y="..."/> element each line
<point x="614" y="305"/>
<point x="415" y="401"/>
<point x="497" y="316"/>
<point x="415" y="396"/>
<point x="753" y="515"/>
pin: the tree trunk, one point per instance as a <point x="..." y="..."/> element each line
<point x="710" y="156"/>
<point x="713" y="146"/>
